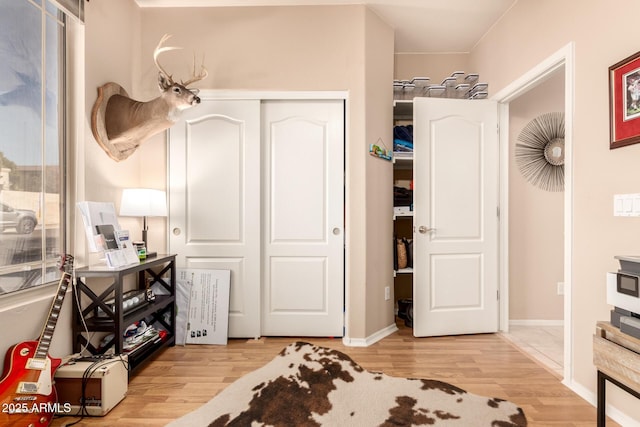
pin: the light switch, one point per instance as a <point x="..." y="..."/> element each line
<point x="635" y="208"/>
<point x="618" y="200"/>
<point x="626" y="204"/>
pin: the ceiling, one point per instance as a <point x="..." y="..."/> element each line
<point x="421" y="26"/>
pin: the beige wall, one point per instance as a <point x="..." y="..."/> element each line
<point x="434" y="66"/>
<point x="289" y="48"/>
<point x="378" y="103"/>
<point x="536" y="219"/>
<point x="532" y="31"/>
<point x="112" y="41"/>
<point x="278" y="48"/>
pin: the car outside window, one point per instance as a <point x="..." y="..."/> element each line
<point x="32" y="114"/>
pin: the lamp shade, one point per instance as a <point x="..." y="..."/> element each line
<point x="143" y="202"/>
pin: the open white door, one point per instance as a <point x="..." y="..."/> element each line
<point x="303" y="214"/>
<point x="214" y="200"/>
<point x="455" y="288"/>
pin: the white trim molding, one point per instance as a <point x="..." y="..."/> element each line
<point x="563" y="58"/>
<point x="371" y="339"/>
<point x="536" y="322"/>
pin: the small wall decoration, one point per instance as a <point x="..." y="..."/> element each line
<point x="624" y="102"/>
<point x="380" y="150"/>
<point x="540" y="156"/>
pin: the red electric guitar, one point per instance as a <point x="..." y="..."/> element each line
<point x="27" y="394"/>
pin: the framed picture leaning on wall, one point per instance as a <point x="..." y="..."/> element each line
<point x="624" y="102"/>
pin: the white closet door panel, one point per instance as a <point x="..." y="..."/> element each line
<point x="455" y="217"/>
<point x="303" y="249"/>
<point x="298" y="180"/>
<point x="456" y="207"/>
<point x="286" y="293"/>
<point x="215" y="199"/>
<point x="463" y="275"/>
<point x="214" y="194"/>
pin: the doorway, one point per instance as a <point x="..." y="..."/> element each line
<point x="536" y="234"/>
<point x="559" y="65"/>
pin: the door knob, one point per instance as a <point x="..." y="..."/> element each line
<point x="176" y="231"/>
<point x="423" y="230"/>
<point x="336" y="231"/>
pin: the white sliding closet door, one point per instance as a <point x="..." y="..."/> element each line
<point x="214" y="199"/>
<point x="303" y="217"/>
<point x="257" y="187"/>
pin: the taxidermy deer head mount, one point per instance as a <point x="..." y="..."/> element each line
<point x="120" y="124"/>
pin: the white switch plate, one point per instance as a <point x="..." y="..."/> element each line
<point x="626" y="204"/>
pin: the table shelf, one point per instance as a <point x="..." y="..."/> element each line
<point x="159" y="313"/>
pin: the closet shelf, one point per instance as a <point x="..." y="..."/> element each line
<point x="402" y="271"/>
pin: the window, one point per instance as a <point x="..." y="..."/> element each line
<point x="32" y="143"/>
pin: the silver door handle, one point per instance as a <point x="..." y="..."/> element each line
<point x="424" y="230"/>
<point x="336" y="231"/>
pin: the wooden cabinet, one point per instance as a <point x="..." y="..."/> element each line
<point x="110" y="311"/>
<point x="616" y="355"/>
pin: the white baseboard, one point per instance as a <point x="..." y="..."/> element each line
<point x="371" y="339"/>
<point x="534" y="322"/>
<point x="612" y="412"/>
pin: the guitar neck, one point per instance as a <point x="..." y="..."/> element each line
<point x="54" y="312"/>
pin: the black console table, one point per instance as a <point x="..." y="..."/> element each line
<point x="616" y="356"/>
<point x="97" y="315"/>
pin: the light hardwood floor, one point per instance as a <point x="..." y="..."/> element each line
<point x="181" y="379"/>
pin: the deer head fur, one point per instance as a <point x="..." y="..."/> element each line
<point x="120" y="124"/>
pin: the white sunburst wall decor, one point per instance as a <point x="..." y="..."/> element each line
<point x="540" y="152"/>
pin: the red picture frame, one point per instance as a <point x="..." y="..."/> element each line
<point x="624" y="102"/>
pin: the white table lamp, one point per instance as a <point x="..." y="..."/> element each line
<point x="143" y="202"/>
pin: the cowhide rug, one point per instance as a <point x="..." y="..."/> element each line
<point x="307" y="385"/>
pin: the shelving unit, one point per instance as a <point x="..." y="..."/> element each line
<point x="402" y="177"/>
<point x="403" y="109"/>
<point x="159" y="313"/>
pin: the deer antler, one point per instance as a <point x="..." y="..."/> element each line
<point x="158" y="50"/>
<point x="196" y="77"/>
